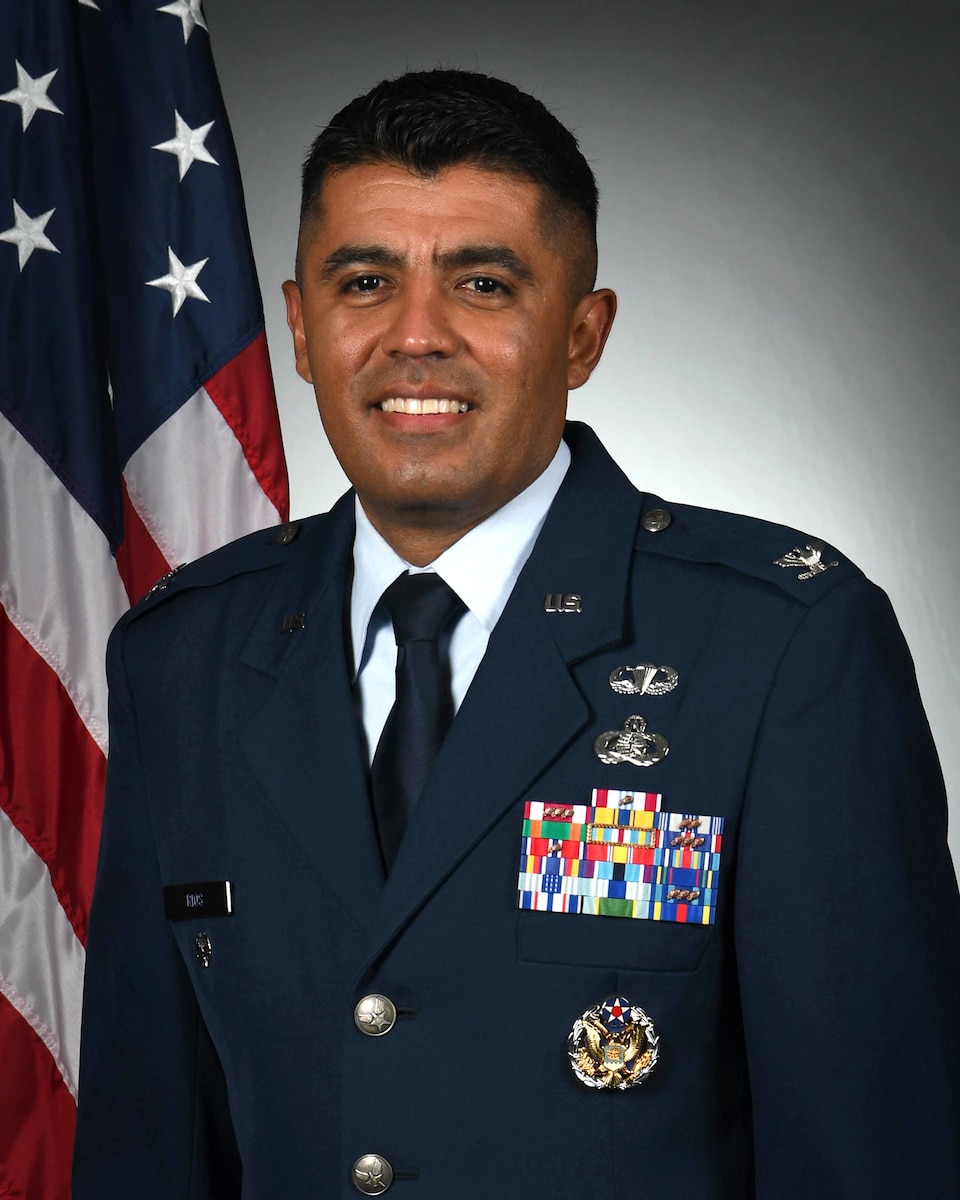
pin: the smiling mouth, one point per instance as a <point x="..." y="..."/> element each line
<point x="411" y="406"/>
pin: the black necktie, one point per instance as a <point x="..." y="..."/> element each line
<point x="421" y="606"/>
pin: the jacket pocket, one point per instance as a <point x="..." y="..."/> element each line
<point x="623" y="943"/>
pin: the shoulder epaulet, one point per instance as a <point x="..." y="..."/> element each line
<point x="792" y="561"/>
<point x="256" y="551"/>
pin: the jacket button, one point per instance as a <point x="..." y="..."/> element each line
<point x="375" y="1015"/>
<point x="656" y="519"/>
<point x="371" y="1174"/>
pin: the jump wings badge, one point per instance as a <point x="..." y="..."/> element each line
<point x="631" y="744"/>
<point x="613" y="1045"/>
<point x="810" y="558"/>
<point x="644" y="679"/>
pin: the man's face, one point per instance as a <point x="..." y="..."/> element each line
<point x="435" y="322"/>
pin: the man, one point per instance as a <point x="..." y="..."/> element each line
<point x="672" y="913"/>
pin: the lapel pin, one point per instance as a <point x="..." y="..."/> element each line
<point x="631" y="744"/>
<point x="613" y="1045"/>
<point x="204" y="949"/>
<point x="562" y="602"/>
<point x="810" y="557"/>
<point x="292" y="624"/>
<point x="644" y="679"/>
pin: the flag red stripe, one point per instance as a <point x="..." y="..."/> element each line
<point x="51" y="775"/>
<point x="37" y="1116"/>
<point x="139" y="559"/>
<point x="243" y="392"/>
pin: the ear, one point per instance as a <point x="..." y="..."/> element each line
<point x="291" y="293"/>
<point x="589" y="327"/>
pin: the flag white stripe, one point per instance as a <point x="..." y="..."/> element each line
<point x="61" y="588"/>
<point x="41" y="958"/>
<point x="192" y="486"/>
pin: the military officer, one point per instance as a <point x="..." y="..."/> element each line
<point x="506" y="830"/>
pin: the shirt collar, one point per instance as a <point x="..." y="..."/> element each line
<point x="481" y="567"/>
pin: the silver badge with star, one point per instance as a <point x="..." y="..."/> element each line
<point x="631" y="744"/>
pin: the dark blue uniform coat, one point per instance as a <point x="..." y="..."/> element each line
<point x="808" y="1037"/>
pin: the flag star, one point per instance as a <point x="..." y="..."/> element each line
<point x="189" y="13"/>
<point x="31" y="95"/>
<point x="27" y="234"/>
<point x="181" y="281"/>
<point x="187" y="144"/>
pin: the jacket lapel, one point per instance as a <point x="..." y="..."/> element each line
<point x="303" y="743"/>
<point x="523" y="707"/>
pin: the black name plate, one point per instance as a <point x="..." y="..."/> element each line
<point x="211" y="899"/>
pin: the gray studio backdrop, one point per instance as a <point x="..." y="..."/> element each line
<point x="780" y="218"/>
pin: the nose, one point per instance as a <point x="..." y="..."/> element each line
<point x="419" y="324"/>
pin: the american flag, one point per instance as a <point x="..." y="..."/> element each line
<point x="138" y="429"/>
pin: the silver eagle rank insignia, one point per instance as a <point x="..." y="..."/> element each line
<point x="810" y="558"/>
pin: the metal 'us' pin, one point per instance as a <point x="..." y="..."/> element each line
<point x="644" y="679"/>
<point x="562" y="602"/>
<point x="631" y="744"/>
<point x="204" y="949"/>
<point x="810" y="557"/>
<point x="613" y="1045"/>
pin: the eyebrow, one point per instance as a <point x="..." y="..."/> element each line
<point x="358" y="256"/>
<point x="448" y="260"/>
<point x="484" y="256"/>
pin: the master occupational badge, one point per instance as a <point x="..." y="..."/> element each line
<point x="613" y="1045"/>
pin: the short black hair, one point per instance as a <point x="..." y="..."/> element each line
<point x="430" y="120"/>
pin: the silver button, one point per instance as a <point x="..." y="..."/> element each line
<point x="375" y="1015"/>
<point x="371" y="1174"/>
<point x="656" y="519"/>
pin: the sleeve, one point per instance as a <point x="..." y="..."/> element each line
<point x="153" y="1118"/>
<point x="847" y="921"/>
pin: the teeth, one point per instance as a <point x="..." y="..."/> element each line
<point x="411" y="406"/>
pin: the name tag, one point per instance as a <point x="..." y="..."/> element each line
<point x="182" y="901"/>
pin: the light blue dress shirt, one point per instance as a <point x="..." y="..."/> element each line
<point x="482" y="568"/>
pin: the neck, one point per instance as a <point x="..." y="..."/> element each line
<point x="418" y="545"/>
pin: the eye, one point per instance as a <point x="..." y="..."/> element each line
<point x="485" y="286"/>
<point x="364" y="283"/>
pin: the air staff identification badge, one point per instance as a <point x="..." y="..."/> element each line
<point x="613" y="1045"/>
<point x="621" y="856"/>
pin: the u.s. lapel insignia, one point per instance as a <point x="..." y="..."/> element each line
<point x="563" y="602"/>
<point x="644" y="679"/>
<point x="613" y="1045"/>
<point x="809" y="557"/>
<point x="631" y="744"/>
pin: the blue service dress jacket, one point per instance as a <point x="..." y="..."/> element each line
<point x="772" y="889"/>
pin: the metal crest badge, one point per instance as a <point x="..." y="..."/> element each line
<point x="810" y="558"/>
<point x="631" y="744"/>
<point x="644" y="679"/>
<point x="613" y="1045"/>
